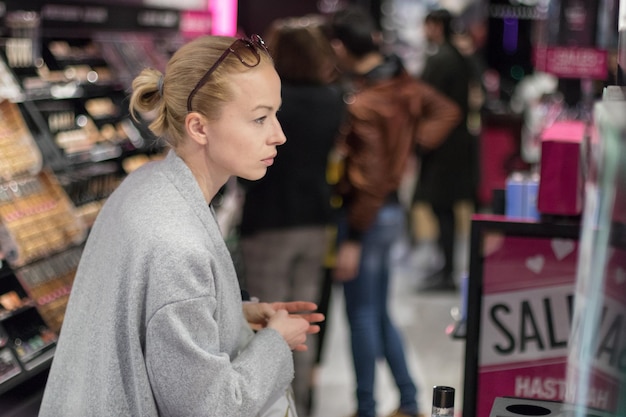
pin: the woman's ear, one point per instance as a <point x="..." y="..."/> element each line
<point x="196" y="126"/>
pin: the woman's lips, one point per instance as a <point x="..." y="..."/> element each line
<point x="269" y="161"/>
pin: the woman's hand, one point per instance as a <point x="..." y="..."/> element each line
<point x="257" y="314"/>
<point x="293" y="320"/>
<point x="304" y="309"/>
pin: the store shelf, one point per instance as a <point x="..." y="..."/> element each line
<point x="14" y="376"/>
<point x="8" y="314"/>
<point x="66" y="142"/>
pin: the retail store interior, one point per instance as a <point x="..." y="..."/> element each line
<point x="535" y="324"/>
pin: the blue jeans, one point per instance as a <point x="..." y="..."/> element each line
<point x="373" y="335"/>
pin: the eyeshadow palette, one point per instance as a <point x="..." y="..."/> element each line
<point x="19" y="154"/>
<point x="37" y="219"/>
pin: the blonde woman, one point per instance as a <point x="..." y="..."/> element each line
<point x="155" y="325"/>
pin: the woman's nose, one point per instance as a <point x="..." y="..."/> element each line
<point x="279" y="136"/>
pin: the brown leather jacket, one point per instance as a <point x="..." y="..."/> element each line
<point x="389" y="114"/>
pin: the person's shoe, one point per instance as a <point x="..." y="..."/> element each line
<point x="400" y="413"/>
<point x="437" y="282"/>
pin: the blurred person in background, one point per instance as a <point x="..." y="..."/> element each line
<point x="447" y="174"/>
<point x="389" y="115"/>
<point x="286" y="215"/>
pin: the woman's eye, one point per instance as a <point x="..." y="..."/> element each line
<point x="260" y="120"/>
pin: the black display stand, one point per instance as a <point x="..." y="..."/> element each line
<point x="26" y="342"/>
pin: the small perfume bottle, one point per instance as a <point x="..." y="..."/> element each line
<point x="443" y="401"/>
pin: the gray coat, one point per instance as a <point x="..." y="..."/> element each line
<point x="154" y="324"/>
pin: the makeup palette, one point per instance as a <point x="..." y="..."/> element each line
<point x="19" y="154"/>
<point x="37" y="218"/>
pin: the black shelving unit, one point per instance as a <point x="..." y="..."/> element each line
<point x="26" y="343"/>
<point x="73" y="85"/>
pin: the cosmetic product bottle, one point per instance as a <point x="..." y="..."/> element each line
<point x="443" y="401"/>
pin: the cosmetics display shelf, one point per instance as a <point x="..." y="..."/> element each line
<point x="78" y="107"/>
<point x="27" y="342"/>
<point x="66" y="142"/>
<point x="33" y="298"/>
<point x="74" y="102"/>
<point x="40" y="238"/>
<point x="69" y="68"/>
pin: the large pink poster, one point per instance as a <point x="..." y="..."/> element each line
<point x="529" y="284"/>
<point x="526" y="316"/>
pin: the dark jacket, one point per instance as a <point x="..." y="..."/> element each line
<point x="448" y="173"/>
<point x="390" y="114"/>
<point x="294" y="192"/>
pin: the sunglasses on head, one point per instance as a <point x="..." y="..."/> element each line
<point x="253" y="44"/>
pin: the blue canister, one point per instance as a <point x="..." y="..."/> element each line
<point x="515" y="195"/>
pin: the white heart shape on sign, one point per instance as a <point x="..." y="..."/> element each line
<point x="535" y="263"/>
<point x="620" y="276"/>
<point x="562" y="247"/>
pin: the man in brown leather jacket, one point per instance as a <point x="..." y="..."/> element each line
<point x="389" y="115"/>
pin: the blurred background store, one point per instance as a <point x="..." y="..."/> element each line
<point x="66" y="142"/>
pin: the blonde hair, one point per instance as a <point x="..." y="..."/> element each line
<point x="164" y="96"/>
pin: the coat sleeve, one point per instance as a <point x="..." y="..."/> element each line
<point x="440" y="116"/>
<point x="191" y="376"/>
<point x="192" y="367"/>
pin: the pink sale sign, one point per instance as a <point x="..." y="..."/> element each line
<point x="529" y="286"/>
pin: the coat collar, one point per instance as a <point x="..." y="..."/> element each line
<point x="177" y="171"/>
